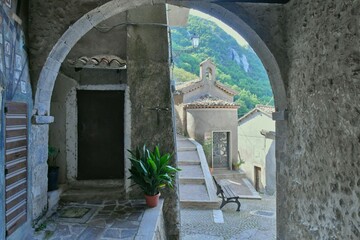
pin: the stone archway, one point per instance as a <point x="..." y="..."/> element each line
<point x="75" y="32"/>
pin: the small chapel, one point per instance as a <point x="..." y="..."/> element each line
<point x="205" y="111"/>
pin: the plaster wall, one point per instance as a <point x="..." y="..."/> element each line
<point x="255" y="149"/>
<point x="270" y="169"/>
<point x="319" y="178"/>
<point x="201" y="122"/>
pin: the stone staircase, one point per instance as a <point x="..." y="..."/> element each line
<point x="197" y="189"/>
<point x="94" y="190"/>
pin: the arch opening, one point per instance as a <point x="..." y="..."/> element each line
<point x="75" y="32"/>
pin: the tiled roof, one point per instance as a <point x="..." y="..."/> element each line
<point x="99" y="61"/>
<point x="195" y="84"/>
<point x="226" y="88"/>
<point x="207" y="101"/>
<point x="267" y="110"/>
<point x="189" y="86"/>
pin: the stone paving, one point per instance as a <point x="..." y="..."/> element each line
<point x="244" y="225"/>
<point x="117" y="219"/>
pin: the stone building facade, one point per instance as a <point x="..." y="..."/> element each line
<point x="256" y="146"/>
<point x="311" y="52"/>
<point x="205" y="111"/>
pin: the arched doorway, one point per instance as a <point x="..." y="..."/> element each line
<point x="83" y="25"/>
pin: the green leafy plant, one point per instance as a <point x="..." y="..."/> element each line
<point x="151" y="170"/>
<point x="53" y="153"/>
<point x="238" y="164"/>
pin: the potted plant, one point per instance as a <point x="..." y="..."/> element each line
<point x="236" y="166"/>
<point x="151" y="171"/>
<point x="53" y="169"/>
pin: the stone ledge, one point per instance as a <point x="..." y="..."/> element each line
<point x="42" y="119"/>
<point x="152" y="224"/>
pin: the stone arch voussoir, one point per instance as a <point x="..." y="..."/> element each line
<point x="65" y="43"/>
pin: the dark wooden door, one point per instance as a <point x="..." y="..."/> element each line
<point x="16" y="123"/>
<point x="100" y="134"/>
<point x="257" y="178"/>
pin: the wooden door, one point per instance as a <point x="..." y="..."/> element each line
<point x="100" y="134"/>
<point x="15" y="165"/>
<point x="257" y="173"/>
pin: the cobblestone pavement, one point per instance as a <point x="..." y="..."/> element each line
<point x="243" y="225"/>
<point x="109" y="220"/>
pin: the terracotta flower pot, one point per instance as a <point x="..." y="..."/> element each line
<point x="152" y="201"/>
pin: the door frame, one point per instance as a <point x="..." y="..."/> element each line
<point x="257" y="178"/>
<point x="72" y="129"/>
<point x="228" y="135"/>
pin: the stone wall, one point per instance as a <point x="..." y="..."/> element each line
<point x="316" y="46"/>
<point x="319" y="178"/>
<point x="148" y="77"/>
<point x="15" y="87"/>
<point x="48" y="20"/>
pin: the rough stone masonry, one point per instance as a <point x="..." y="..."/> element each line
<point x="316" y="46"/>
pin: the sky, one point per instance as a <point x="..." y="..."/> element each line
<point x="241" y="41"/>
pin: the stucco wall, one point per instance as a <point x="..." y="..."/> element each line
<point x="319" y="178"/>
<point x="254" y="148"/>
<point x="205" y="121"/>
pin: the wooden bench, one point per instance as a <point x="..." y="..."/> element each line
<point x="227" y="195"/>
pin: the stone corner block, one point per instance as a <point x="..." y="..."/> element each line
<point x="42" y="119"/>
<point x="280" y="115"/>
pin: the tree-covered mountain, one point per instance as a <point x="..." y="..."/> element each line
<point x="237" y="66"/>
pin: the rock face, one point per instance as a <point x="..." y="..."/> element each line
<point x="320" y="175"/>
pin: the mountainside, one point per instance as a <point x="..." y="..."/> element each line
<point x="237" y="66"/>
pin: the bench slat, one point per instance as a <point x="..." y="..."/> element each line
<point x="227" y="195"/>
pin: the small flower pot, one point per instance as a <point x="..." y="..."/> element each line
<point x="53" y="174"/>
<point x="152" y="201"/>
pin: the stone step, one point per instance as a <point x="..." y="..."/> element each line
<point x="191" y="171"/>
<point x="180" y="137"/>
<point x="108" y="183"/>
<point x="188" y="156"/>
<point x="185" y="145"/>
<point x="196" y="196"/>
<point x="189" y="162"/>
<point x="200" y="204"/>
<point x="192" y="180"/>
<point x="80" y="195"/>
<point x="193" y="192"/>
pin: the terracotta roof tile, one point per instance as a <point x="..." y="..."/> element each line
<point x="99" y="61"/>
<point x="226" y="88"/>
<point x="207" y="101"/>
<point x="189" y="86"/>
<point x="265" y="108"/>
